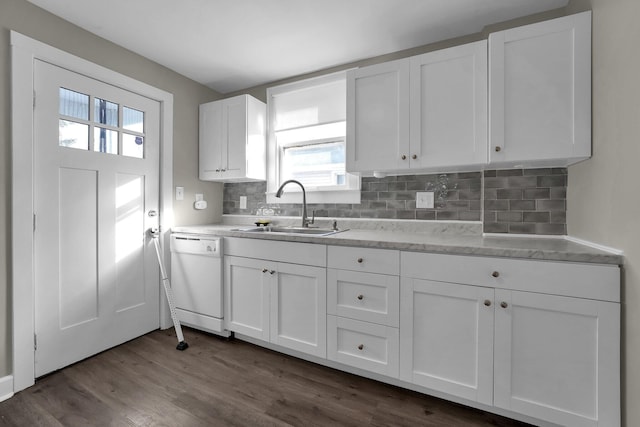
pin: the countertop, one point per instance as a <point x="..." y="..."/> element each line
<point x="456" y="239"/>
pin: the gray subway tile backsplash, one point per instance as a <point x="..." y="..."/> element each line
<point x="521" y="201"/>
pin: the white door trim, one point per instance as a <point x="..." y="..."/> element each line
<point x="24" y="51"/>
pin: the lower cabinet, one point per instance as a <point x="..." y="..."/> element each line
<point x="446" y="338"/>
<point x="278" y="302"/>
<point x="555" y="358"/>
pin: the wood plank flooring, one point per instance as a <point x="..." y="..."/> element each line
<point x="146" y="382"/>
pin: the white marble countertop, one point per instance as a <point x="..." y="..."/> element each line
<point x="452" y="238"/>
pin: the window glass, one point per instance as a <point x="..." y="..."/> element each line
<point x="132" y="146"/>
<point x="105" y="141"/>
<point x="73" y="104"/>
<point x="105" y="112"/>
<point x="132" y="120"/>
<point x="315" y="165"/>
<point x="73" y="135"/>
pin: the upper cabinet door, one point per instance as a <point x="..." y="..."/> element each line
<point x="449" y="108"/>
<point x="233" y="140"/>
<point x="540" y="93"/>
<point x="378" y="117"/>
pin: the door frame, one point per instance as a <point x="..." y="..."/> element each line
<point x="24" y="52"/>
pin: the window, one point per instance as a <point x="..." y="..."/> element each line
<point x="109" y="136"/>
<point x="307" y="128"/>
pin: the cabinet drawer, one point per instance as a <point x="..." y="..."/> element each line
<point x="364" y="296"/>
<point x="384" y="261"/>
<point x="581" y="280"/>
<point x="273" y="250"/>
<point x="363" y="345"/>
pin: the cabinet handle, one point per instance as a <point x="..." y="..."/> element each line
<point x="498" y="148"/>
<point x="360" y="347"/>
<point x="272" y="272"/>
<point x="223" y="170"/>
<point x="496" y="274"/>
<point x="414" y="157"/>
<point x="403" y="157"/>
<point x="217" y="170"/>
<point x="504" y="304"/>
<point x="360" y="297"/>
<point x="487" y="303"/>
<point x="359" y="260"/>
<point x="264" y="270"/>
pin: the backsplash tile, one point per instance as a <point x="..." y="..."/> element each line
<point x="525" y="201"/>
<point x="522" y="201"/>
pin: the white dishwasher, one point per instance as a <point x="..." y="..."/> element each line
<point x="196" y="281"/>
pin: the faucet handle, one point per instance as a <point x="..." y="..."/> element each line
<point x="313" y="216"/>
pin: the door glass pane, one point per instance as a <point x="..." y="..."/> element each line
<point x="73" y="135"/>
<point x="105" y="141"/>
<point x="74" y="104"/>
<point x="132" y="120"/>
<point x="106" y="112"/>
<point x="132" y="145"/>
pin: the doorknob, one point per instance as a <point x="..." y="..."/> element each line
<point x="152" y="213"/>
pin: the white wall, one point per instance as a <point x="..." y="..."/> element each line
<point x="603" y="199"/>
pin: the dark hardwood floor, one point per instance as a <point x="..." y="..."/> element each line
<point x="146" y="382"/>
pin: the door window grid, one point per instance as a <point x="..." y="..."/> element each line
<point x="107" y="128"/>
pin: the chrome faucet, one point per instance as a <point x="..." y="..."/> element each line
<point x="305" y="220"/>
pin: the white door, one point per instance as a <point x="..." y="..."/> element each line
<point x="96" y="185"/>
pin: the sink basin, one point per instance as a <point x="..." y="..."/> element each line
<point x="291" y="230"/>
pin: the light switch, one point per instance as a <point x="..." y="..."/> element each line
<point x="243" y="202"/>
<point x="424" y="200"/>
<point x="179" y="193"/>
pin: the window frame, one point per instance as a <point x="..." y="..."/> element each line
<point x="348" y="195"/>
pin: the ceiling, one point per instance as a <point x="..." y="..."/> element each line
<point x="231" y="45"/>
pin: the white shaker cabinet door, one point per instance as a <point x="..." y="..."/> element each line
<point x="557" y="358"/>
<point x="378" y="117"/>
<point x="449" y="108"/>
<point x="446" y="338"/>
<point x="540" y="93"/>
<point x="246" y="296"/>
<point x="299" y="308"/>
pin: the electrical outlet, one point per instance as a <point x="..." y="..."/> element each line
<point x="179" y="193"/>
<point x="424" y="200"/>
<point x="243" y="202"/>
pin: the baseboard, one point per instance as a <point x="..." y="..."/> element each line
<point x="6" y="387"/>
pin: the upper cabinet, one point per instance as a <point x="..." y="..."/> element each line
<point x="448" y="128"/>
<point x="424" y="113"/>
<point x="540" y="93"/>
<point x="522" y="101"/>
<point x="232" y="140"/>
<point x="378" y="117"/>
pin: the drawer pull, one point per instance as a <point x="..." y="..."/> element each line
<point x="414" y="157"/>
<point x="496" y="274"/>
<point x="504" y="304"/>
<point x="487" y="303"/>
<point x="403" y="157"/>
<point x="359" y="260"/>
<point x="360" y="347"/>
<point x="360" y="297"/>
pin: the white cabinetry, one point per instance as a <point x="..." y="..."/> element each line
<point x="363" y="308"/>
<point x="378" y="117"/>
<point x="540" y="93"/>
<point x="232" y="140"/>
<point x="479" y="333"/>
<point x="447" y="338"/>
<point x="280" y="302"/>
<point x="449" y="108"/>
<point x="422" y="113"/>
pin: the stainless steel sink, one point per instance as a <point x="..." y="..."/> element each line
<point x="291" y="230"/>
